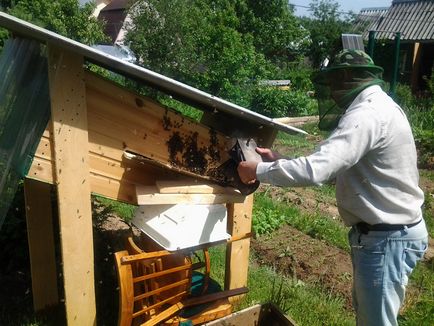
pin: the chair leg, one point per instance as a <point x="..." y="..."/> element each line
<point x="126" y="291"/>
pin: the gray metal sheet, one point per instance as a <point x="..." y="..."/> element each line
<point x="414" y="19"/>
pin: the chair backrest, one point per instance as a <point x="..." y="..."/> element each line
<point x="150" y="282"/>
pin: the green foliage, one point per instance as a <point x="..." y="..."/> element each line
<point x="420" y="113"/>
<point x="419" y="309"/>
<point x="105" y="207"/>
<point x="326" y="27"/>
<point x="65" y="17"/>
<point x="276" y="103"/>
<point x="197" y="43"/>
<point x="268" y="215"/>
<point x="266" y="220"/>
<point x="300" y="77"/>
<point x="276" y="31"/>
<point x="295" y="298"/>
<point x="222" y="47"/>
<point x="183" y="108"/>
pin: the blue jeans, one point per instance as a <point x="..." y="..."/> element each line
<point x="382" y="263"/>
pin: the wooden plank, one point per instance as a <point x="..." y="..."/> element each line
<point x="113" y="189"/>
<point x="188" y="187"/>
<point x="41" y="244"/>
<point x="70" y="148"/>
<point x="41" y="170"/>
<point x="149" y="195"/>
<point x="416" y="62"/>
<point x="237" y="252"/>
<point x="247" y="317"/>
<point x="297" y="121"/>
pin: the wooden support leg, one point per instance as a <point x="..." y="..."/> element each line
<point x="41" y="244"/>
<point x="416" y="67"/>
<point x="237" y="253"/>
<point x="70" y="140"/>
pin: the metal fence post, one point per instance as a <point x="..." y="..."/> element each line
<point x="371" y="43"/>
<point x="393" y="82"/>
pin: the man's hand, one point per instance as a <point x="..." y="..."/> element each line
<point x="267" y="154"/>
<point x="247" y="172"/>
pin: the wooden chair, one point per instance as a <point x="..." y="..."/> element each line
<point x="155" y="286"/>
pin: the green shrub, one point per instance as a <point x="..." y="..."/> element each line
<point x="404" y="96"/>
<point x="276" y="103"/>
<point x="300" y="78"/>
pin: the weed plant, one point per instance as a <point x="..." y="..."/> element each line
<point x="268" y="215"/>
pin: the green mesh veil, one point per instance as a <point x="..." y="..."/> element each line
<point x="24" y="112"/>
<point x="337" y="85"/>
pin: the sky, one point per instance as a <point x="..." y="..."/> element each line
<point x="344" y="5"/>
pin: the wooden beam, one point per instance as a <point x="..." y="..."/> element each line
<point x="70" y="148"/>
<point x="41" y="244"/>
<point x="415" y="67"/>
<point x="237" y="252"/>
<point x="149" y="195"/>
<point x="188" y="187"/>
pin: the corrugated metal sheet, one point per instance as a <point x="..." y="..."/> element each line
<point x="413" y="19"/>
<point x="369" y="19"/>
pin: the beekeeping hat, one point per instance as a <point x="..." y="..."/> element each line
<point x="339" y="83"/>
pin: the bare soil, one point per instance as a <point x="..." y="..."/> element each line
<point x="298" y="255"/>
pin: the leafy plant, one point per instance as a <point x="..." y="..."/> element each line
<point x="325" y="28"/>
<point x="275" y="103"/>
<point x="66" y="17"/>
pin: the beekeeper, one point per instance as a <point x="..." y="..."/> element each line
<point x="372" y="155"/>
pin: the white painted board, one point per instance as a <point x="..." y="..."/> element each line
<point x="181" y="226"/>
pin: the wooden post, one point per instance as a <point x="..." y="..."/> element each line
<point x="415" y="67"/>
<point x="237" y="252"/>
<point x="70" y="140"/>
<point x="41" y="244"/>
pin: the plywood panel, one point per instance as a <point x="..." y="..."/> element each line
<point x="70" y="148"/>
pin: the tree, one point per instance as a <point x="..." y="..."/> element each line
<point x="276" y="32"/>
<point x="220" y="46"/>
<point x="326" y="27"/>
<point x="197" y="42"/>
<point x="65" y="17"/>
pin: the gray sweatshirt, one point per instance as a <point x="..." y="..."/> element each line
<point x="373" y="157"/>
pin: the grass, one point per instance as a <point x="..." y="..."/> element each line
<point x="123" y="210"/>
<point x="268" y="215"/>
<point x="293" y="296"/>
<point x="419" y="307"/>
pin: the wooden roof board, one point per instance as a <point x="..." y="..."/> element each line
<point x="183" y="92"/>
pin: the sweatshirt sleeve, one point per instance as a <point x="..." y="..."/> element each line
<point x="358" y="132"/>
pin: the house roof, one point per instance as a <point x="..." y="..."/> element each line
<point x="414" y="19"/>
<point x="113" y="15"/>
<point x="183" y="92"/>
